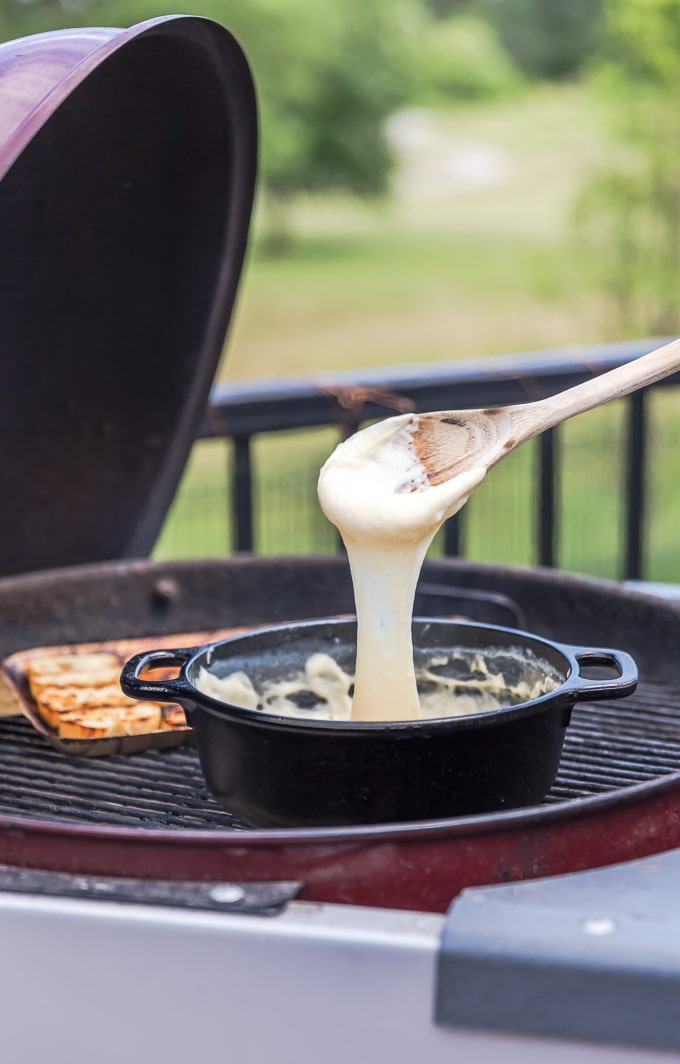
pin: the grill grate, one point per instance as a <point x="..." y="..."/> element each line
<point x="608" y="746"/>
<point x="149" y="790"/>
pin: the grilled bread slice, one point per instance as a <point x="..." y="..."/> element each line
<point x="71" y="666"/>
<point x="77" y="670"/>
<point x="95" y="724"/>
<point x="107" y="721"/>
<point x="173" y="716"/>
<point x="52" y="702"/>
<point x="140" y="718"/>
<point x="78" y="695"/>
<point x="108" y="694"/>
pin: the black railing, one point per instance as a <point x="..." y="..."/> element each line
<point x="241" y="412"/>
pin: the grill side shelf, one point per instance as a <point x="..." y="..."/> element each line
<point x="590" y="956"/>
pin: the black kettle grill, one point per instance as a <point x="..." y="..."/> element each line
<point x="127" y="165"/>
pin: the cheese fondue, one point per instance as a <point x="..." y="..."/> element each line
<point x="450" y="684"/>
<point x="375" y="490"/>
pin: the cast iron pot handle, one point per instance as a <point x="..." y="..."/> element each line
<point x="614" y="687"/>
<point x="154" y="690"/>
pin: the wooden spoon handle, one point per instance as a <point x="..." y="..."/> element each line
<point x="612" y="385"/>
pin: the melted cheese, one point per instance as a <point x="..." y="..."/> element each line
<point x="376" y="492"/>
<point x="472" y="687"/>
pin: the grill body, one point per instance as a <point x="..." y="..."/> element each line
<point x="617" y="795"/>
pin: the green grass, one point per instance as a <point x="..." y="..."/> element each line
<point x="490" y="271"/>
<point x="406" y="299"/>
<point x="663" y="489"/>
<point x="198" y="523"/>
<point x="493" y="271"/>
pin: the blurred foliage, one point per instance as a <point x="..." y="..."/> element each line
<point x="630" y="211"/>
<point x="327" y="76"/>
<point x="642" y="44"/>
<point x="548" y="38"/>
<point x="464" y="60"/>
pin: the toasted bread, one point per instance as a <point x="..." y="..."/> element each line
<point x="71" y="666"/>
<point x="78" y="694"/>
<point x="173" y="716"/>
<point x="94" y="724"/>
<point x="60" y="698"/>
<point x="107" y="721"/>
<point x="141" y="718"/>
<point x="72" y="670"/>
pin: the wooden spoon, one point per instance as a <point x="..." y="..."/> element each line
<point x="450" y="442"/>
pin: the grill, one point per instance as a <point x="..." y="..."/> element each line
<point x="148" y="815"/>
<point x="171" y="103"/>
<point x="127" y="164"/>
<point x="608" y="747"/>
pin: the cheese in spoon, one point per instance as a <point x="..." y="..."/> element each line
<point x="374" y="489"/>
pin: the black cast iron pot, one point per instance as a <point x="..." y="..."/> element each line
<point x="276" y="771"/>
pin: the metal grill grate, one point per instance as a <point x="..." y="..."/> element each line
<point x="149" y="790"/>
<point x="608" y="746"/>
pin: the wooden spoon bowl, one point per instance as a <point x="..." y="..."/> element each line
<point x="451" y="442"/>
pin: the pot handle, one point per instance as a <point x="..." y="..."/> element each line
<point x="157" y="690"/>
<point x="612" y="687"/>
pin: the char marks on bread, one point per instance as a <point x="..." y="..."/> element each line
<point x="79" y="697"/>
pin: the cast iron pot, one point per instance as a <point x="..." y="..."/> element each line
<point x="276" y="771"/>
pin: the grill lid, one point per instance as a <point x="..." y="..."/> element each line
<point x="127" y="167"/>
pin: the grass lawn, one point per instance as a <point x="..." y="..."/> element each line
<point x="484" y="271"/>
<point x="490" y="270"/>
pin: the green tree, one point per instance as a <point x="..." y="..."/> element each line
<point x="631" y="211"/>
<point x="463" y="59"/>
<point x="548" y="38"/>
<point x="327" y="74"/>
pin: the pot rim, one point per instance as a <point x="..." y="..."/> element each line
<point x="571" y="690"/>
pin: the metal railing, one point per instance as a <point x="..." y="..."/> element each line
<point x="241" y="412"/>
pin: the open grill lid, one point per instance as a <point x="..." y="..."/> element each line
<point x="127" y="168"/>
